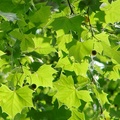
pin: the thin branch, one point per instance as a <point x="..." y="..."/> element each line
<point x="90" y="25"/>
<point x="72" y="12"/>
<point x="91" y="30"/>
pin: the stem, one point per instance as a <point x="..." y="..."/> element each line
<point x="72" y="12"/>
<point x="91" y="30"/>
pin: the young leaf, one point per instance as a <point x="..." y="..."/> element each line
<point x="62" y="41"/>
<point x="108" y="51"/>
<point x="76" y="115"/>
<point x="42" y="45"/>
<point x="1" y="53"/>
<point x="84" y="95"/>
<point x="27" y="44"/>
<point x="66" y="92"/>
<point x="12" y="102"/>
<point x="112" y="12"/>
<point x="114" y="75"/>
<point x="81" y="49"/>
<point x="81" y="68"/>
<point x="65" y="64"/>
<point x="101" y="96"/>
<point x="44" y="76"/>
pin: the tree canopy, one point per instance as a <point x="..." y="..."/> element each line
<point x="59" y="59"/>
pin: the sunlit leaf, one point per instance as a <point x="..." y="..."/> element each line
<point x="101" y="96"/>
<point x="112" y="12"/>
<point x="76" y="115"/>
<point x="44" y="76"/>
<point x="81" y="49"/>
<point x="13" y="102"/>
<point x="108" y="51"/>
<point x="42" y="45"/>
<point x="2" y="53"/>
<point x="84" y="95"/>
<point x="115" y="74"/>
<point x="66" y="92"/>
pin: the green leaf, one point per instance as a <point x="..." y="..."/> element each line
<point x="81" y="68"/>
<point x="6" y="5"/>
<point x="44" y="76"/>
<point x="112" y="12"/>
<point x="115" y="74"/>
<point x="65" y="64"/>
<point x="67" y="24"/>
<point x="3" y="62"/>
<point x="81" y="49"/>
<point x="2" y="53"/>
<point x="62" y="41"/>
<point x="16" y="34"/>
<point x="41" y="16"/>
<point x="76" y="115"/>
<point x="103" y="37"/>
<point x="110" y="52"/>
<point x="13" y="102"/>
<point x="82" y="81"/>
<point x="27" y="44"/>
<point x="100" y="95"/>
<point x="84" y="95"/>
<point x="66" y="92"/>
<point x="42" y="45"/>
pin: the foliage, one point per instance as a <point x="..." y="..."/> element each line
<point x="59" y="59"/>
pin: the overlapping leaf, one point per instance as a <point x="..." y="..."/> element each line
<point x="41" y="16"/>
<point x="68" y="94"/>
<point x="12" y="102"/>
<point x="76" y="115"/>
<point x="100" y="95"/>
<point x="68" y="24"/>
<point x="81" y="49"/>
<point x="42" y="45"/>
<point x="112" y="12"/>
<point x="44" y="76"/>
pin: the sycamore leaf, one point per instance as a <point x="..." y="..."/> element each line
<point x="81" y="49"/>
<point x="110" y="52"/>
<point x="65" y="64"/>
<point x="82" y="81"/>
<point x="100" y="95"/>
<point x="42" y="45"/>
<point x="27" y="45"/>
<point x="1" y="53"/>
<point x="67" y="24"/>
<point x="112" y="12"/>
<point x="41" y="15"/>
<point x="66" y="92"/>
<point x="114" y="75"/>
<point x="68" y="95"/>
<point x="62" y="40"/>
<point x="12" y="102"/>
<point x="43" y="76"/>
<point x="2" y="62"/>
<point x="84" y="95"/>
<point x="76" y="115"/>
<point x="81" y="68"/>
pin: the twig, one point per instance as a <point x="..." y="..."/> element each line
<point x="72" y="12"/>
<point x="91" y="30"/>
